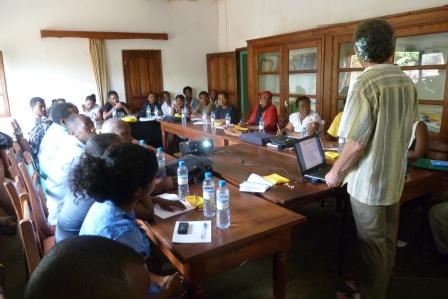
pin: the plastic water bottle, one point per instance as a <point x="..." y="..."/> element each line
<point x="161" y="161"/>
<point x="222" y="206"/>
<point x="204" y="117"/>
<point x="341" y="143"/>
<point x="261" y="125"/>
<point x="156" y="111"/>
<point x="148" y="111"/>
<point x="184" y="116"/>
<point x="182" y="181"/>
<point x="114" y="113"/>
<point x="212" y="119"/>
<point x="228" y="119"/>
<point x="208" y="194"/>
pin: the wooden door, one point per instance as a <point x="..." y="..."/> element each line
<point x="142" y="74"/>
<point x="221" y="74"/>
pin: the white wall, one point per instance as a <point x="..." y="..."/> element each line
<point x="54" y="68"/>
<point x="249" y="19"/>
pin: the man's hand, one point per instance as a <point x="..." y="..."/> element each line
<point x="333" y="179"/>
<point x="169" y="205"/>
<point x="118" y="105"/>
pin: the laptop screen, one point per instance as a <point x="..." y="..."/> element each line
<point x="309" y="153"/>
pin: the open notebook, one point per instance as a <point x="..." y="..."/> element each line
<point x="256" y="184"/>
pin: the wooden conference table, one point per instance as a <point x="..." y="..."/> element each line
<point x="258" y="228"/>
<point x="193" y="131"/>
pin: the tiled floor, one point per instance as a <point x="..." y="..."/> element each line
<point x="311" y="266"/>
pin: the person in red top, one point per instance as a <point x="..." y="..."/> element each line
<point x="265" y="110"/>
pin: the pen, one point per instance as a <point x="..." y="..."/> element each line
<point x="204" y="230"/>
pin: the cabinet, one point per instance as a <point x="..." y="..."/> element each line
<point x="321" y="64"/>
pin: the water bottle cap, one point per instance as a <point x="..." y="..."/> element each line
<point x="222" y="183"/>
<point x="208" y="175"/>
<point x="159" y="149"/>
<point x="181" y="163"/>
<point x="141" y="142"/>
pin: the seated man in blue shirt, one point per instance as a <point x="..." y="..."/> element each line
<point x="75" y="209"/>
<point x="91" y="267"/>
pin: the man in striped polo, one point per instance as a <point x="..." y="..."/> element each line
<point x="377" y="124"/>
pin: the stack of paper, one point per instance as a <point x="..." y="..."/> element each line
<point x="198" y="232"/>
<point x="255" y="183"/>
<point x="163" y="214"/>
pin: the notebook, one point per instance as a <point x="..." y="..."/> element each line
<point x="311" y="158"/>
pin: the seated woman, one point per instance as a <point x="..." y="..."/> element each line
<point x="305" y="121"/>
<point x="92" y="109"/>
<point x="179" y="105"/>
<point x="224" y="108"/>
<point x="115" y="106"/>
<point x="266" y="111"/>
<point x="205" y="105"/>
<point x="419" y="141"/>
<point x="167" y="104"/>
<point x="119" y="179"/>
<point x="150" y="106"/>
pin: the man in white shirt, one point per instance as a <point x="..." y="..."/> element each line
<point x="304" y="122"/>
<point x="63" y="146"/>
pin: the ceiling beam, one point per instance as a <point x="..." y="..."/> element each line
<point x="102" y="34"/>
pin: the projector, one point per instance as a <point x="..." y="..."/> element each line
<point x="196" y="147"/>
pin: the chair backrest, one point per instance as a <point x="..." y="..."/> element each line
<point x="37" y="203"/>
<point x="30" y="241"/>
<point x="13" y="194"/>
<point x="18" y="135"/>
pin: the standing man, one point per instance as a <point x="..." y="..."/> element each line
<point x="377" y="124"/>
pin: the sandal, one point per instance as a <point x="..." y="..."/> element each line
<point x="352" y="286"/>
<point x="347" y="295"/>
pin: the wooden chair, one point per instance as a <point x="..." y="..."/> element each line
<point x="18" y="135"/>
<point x="38" y="203"/>
<point x="13" y="193"/>
<point x="30" y="241"/>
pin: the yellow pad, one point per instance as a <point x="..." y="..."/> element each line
<point x="129" y="119"/>
<point x="276" y="179"/>
<point x="239" y="128"/>
<point x="331" y="155"/>
<point x="195" y="200"/>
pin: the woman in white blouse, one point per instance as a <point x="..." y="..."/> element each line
<point x="304" y="122"/>
<point x="167" y="106"/>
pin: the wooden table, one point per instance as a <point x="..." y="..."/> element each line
<point x="196" y="132"/>
<point x="258" y="228"/>
<point x="235" y="163"/>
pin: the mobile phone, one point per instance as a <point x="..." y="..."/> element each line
<point x="182" y="229"/>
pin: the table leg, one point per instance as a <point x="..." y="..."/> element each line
<point x="197" y="291"/>
<point x="164" y="140"/>
<point x="279" y="275"/>
<point x="344" y="198"/>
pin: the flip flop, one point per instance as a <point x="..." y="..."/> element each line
<point x="352" y="286"/>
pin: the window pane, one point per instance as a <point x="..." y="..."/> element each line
<point x="345" y="79"/>
<point x="276" y="102"/>
<point x="268" y="62"/>
<point x="347" y="56"/>
<point x="293" y="106"/>
<point x="429" y="49"/>
<point x="269" y="82"/>
<point x="302" y="59"/>
<point x="302" y="83"/>
<point x="432" y="116"/>
<point x="2" y="108"/>
<point x="430" y="83"/>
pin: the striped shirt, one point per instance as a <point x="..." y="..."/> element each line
<point x="381" y="107"/>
